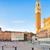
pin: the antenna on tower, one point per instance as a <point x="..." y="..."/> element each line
<point x="37" y="0"/>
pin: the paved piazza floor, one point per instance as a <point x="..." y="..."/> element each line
<point x="15" y="45"/>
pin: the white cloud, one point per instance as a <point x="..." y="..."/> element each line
<point x="18" y="21"/>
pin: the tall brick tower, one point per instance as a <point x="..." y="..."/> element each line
<point x="38" y="16"/>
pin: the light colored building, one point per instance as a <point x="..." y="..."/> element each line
<point x="17" y="36"/>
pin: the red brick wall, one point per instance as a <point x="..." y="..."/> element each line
<point x="5" y="36"/>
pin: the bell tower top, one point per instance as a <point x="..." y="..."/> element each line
<point x="37" y="1"/>
<point x="37" y="8"/>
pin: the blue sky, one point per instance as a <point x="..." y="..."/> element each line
<point x="19" y="15"/>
